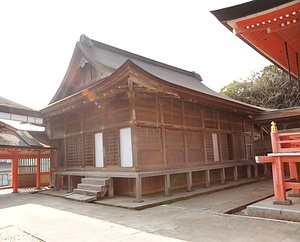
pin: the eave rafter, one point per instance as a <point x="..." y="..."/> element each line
<point x="272" y="21"/>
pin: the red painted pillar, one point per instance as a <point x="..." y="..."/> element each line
<point x="278" y="180"/>
<point x="38" y="170"/>
<point x="15" y="166"/>
<point x="274" y="137"/>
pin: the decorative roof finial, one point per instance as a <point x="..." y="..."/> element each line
<point x="86" y="40"/>
<point x="273" y="127"/>
<point x="197" y="76"/>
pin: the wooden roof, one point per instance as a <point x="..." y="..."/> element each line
<point x="111" y="62"/>
<point x="270" y="27"/>
<point x="13" y="111"/>
<point x="8" y="106"/>
<point x="283" y="115"/>
<point x="14" y="138"/>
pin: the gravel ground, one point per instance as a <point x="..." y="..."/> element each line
<point x="11" y="233"/>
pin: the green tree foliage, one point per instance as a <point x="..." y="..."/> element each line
<point x="269" y="88"/>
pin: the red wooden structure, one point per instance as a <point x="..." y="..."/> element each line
<point x="28" y="151"/>
<point x="286" y="151"/>
<point x="272" y="28"/>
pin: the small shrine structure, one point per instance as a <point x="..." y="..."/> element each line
<point x="28" y="151"/>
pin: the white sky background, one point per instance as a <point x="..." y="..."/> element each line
<point x="38" y="39"/>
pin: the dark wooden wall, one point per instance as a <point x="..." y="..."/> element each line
<point x="170" y="132"/>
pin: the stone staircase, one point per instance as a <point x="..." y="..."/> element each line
<point x="89" y="190"/>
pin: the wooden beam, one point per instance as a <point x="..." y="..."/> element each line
<point x="288" y="60"/>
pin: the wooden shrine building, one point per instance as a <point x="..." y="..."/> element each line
<point x="27" y="151"/>
<point x="146" y="126"/>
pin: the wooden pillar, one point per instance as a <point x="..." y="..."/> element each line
<point x="38" y="170"/>
<point x="207" y="178"/>
<point x="235" y="173"/>
<point x="222" y="175"/>
<point x="132" y="116"/>
<point x="55" y="181"/>
<point x="255" y="170"/>
<point x="278" y="183"/>
<point x="111" y="192"/>
<point x="265" y="169"/>
<point x="167" y="185"/>
<point x="278" y="171"/>
<point x="69" y="183"/>
<point x="249" y="171"/>
<point x="138" y="189"/>
<point x="15" y="165"/>
<point x="189" y="178"/>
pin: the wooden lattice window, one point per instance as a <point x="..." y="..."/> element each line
<point x="195" y="146"/>
<point x="240" y="151"/>
<point x="172" y="111"/>
<point x="175" y="146"/>
<point x="227" y="146"/>
<point x="209" y="147"/>
<point x="74" y="155"/>
<point x="149" y="146"/>
<point x="27" y="166"/>
<point x="88" y="150"/>
<point x="112" y="147"/>
<point x="209" y="118"/>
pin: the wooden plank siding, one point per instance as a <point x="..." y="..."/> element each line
<point x="167" y="133"/>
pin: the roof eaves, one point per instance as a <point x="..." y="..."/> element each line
<point x="245" y="9"/>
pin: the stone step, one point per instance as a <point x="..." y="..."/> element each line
<point x="80" y="197"/>
<point x="87" y="192"/>
<point x="91" y="187"/>
<point x="97" y="194"/>
<point x="95" y="181"/>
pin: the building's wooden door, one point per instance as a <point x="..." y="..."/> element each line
<point x="99" y="150"/>
<point x="126" y="147"/>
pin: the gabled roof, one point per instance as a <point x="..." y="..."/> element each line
<point x="271" y="27"/>
<point x="109" y="60"/>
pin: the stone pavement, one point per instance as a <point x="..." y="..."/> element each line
<point x="202" y="218"/>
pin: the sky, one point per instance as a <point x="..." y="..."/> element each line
<point x="38" y="39"/>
